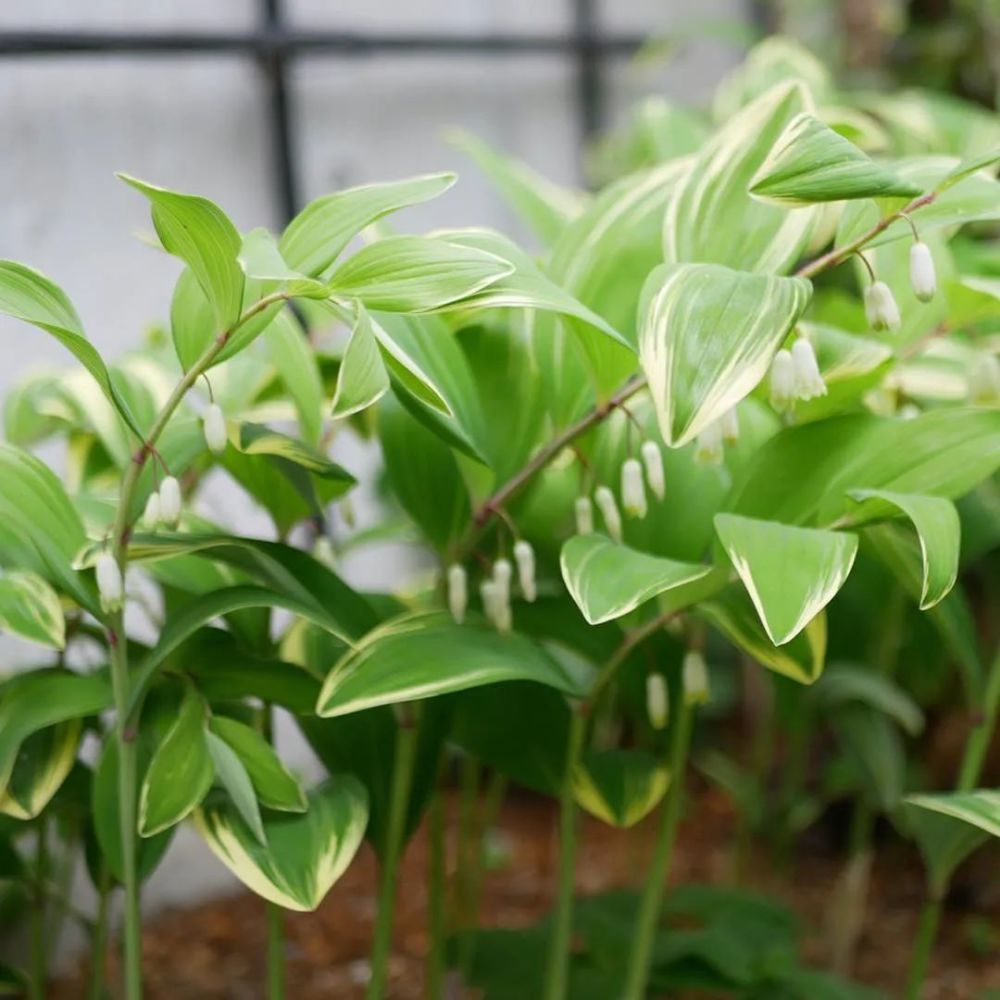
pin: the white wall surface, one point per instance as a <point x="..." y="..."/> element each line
<point x="198" y="123"/>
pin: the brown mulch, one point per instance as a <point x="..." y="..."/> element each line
<point x="217" y="950"/>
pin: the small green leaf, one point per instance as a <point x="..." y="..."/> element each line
<point x="274" y="785"/>
<point x="706" y="338"/>
<point x="180" y="773"/>
<point x="30" y="608"/>
<point x="938" y="528"/>
<point x="256" y="439"/>
<point x="811" y="162"/>
<point x="362" y="379"/>
<point x="791" y="574"/>
<point x="44" y="760"/>
<point x="292" y="355"/>
<point x="423" y="655"/>
<point x="232" y="775"/>
<point x="415" y="274"/>
<point x="968" y="166"/>
<point x="302" y="854"/>
<point x="316" y="236"/>
<point x="607" y="580"/>
<point x="620" y="787"/>
<point x="261" y="259"/>
<point x="844" y="683"/>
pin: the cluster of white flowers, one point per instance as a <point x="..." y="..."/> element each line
<point x="710" y="448"/>
<point x="795" y="375"/>
<point x="636" y="475"/>
<point x="881" y="308"/>
<point x="494" y="590"/>
<point x="163" y="506"/>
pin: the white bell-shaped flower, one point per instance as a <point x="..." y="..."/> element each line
<point x="633" y="488"/>
<point x="657" y="701"/>
<point x="652" y="460"/>
<point x="695" y="675"/>
<point x="458" y="592"/>
<point x="110" y="585"/>
<point x="502" y="573"/>
<point x="608" y="507"/>
<point x="323" y="552"/>
<point x="708" y="449"/>
<point x="524" y="556"/>
<point x="782" y="381"/>
<point x="170" y="501"/>
<point x="881" y="308"/>
<point x="984" y="380"/>
<point x="488" y="594"/>
<point x="151" y="513"/>
<point x="922" y="275"/>
<point x="809" y="382"/>
<point x="729" y="424"/>
<point x="583" y="509"/>
<point x="214" y="426"/>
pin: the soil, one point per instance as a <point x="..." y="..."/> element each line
<point x="217" y="950"/>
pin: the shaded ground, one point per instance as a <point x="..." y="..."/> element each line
<point x="217" y="950"/>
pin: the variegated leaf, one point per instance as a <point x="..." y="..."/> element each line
<point x="619" y="787"/>
<point x="44" y="760"/>
<point x="30" y="608"/>
<point x="362" y="379"/>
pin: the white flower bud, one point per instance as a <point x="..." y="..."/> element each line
<point x="488" y="595"/>
<point x="652" y="459"/>
<point x="908" y="411"/>
<point x="657" y="701"/>
<point x="808" y="381"/>
<point x="633" y="488"/>
<point x="695" y="675"/>
<point x="458" y="592"/>
<point x="708" y="450"/>
<point x="922" y="276"/>
<point x="214" y="426"/>
<point x="608" y="507"/>
<point x="496" y="596"/>
<point x="323" y="552"/>
<point x="110" y="585"/>
<point x="502" y="573"/>
<point x="984" y="380"/>
<point x="881" y="308"/>
<point x="729" y="423"/>
<point x="584" y="511"/>
<point x="151" y="514"/>
<point x="524" y="556"/>
<point x="170" y="501"/>
<point x="782" y="380"/>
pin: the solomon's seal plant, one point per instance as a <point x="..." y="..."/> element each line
<point x="740" y="406"/>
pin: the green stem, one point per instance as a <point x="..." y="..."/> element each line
<point x="469" y="775"/>
<point x="275" y="952"/>
<point x="557" y="965"/>
<point x="930" y="916"/>
<point x="99" y="937"/>
<point x="652" y="898"/>
<point x="39" y="964"/>
<point x="436" y="897"/>
<point x="402" y="778"/>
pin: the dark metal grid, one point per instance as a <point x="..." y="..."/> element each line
<point x="276" y="46"/>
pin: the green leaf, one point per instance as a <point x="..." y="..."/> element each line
<point x="620" y="787"/>
<point x="291" y="354"/>
<point x="949" y="826"/>
<point x="256" y="439"/>
<point x="811" y="162"/>
<point x="44" y="760"/>
<point x="272" y="782"/>
<point x="608" y="580"/>
<point x="30" y="296"/>
<point x="180" y="773"/>
<point x="260" y="258"/>
<point x="423" y="655"/>
<point x="845" y="683"/>
<point x="30" y="608"/>
<point x="712" y="201"/>
<point x="415" y="274"/>
<point x="316" y="236"/>
<point x="362" y="379"/>
<point x="801" y="658"/>
<point x="938" y="528"/>
<point x="706" y="338"/>
<point x="546" y="207"/>
<point x="873" y="746"/>
<point x="232" y="775"/>
<point x="791" y="574"/>
<point x="971" y="165"/>
<point x="303" y="854"/>
<point x="201" y="234"/>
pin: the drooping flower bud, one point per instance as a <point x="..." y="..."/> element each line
<point x="110" y="585"/>
<point x="809" y="382"/>
<point x="633" y="488"/>
<point x="881" y="308"/>
<point x="524" y="556"/>
<point x="214" y="426"/>
<point x="458" y="592"/>
<point x="584" y="511"/>
<point x="695" y="675"/>
<point x="323" y="552"/>
<point x="984" y="380"/>
<point x="502" y="573"/>
<point x="708" y="450"/>
<point x="488" y="594"/>
<point x="922" y="276"/>
<point x="151" y="514"/>
<point x="170" y="501"/>
<point x="608" y="507"/>
<point x="657" y="701"/>
<point x="782" y="380"/>
<point x="652" y="459"/>
<point x="729" y="424"/>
